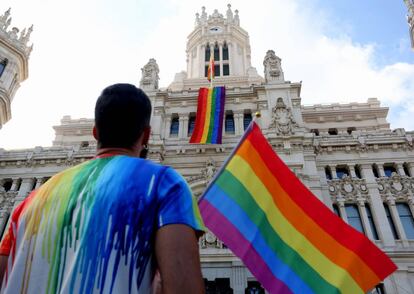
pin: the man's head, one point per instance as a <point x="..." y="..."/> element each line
<point x="122" y="117"/>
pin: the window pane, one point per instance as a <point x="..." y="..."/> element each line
<point x="207" y="58"/>
<point x="229" y="124"/>
<point x="388" y="170"/>
<point x="247" y="118"/>
<point x="328" y="173"/>
<point x="406" y="169"/>
<point x="191" y="124"/>
<point x="341" y="172"/>
<point x="216" y="53"/>
<point x="371" y="222"/>
<point x="217" y="70"/>
<point x="375" y="170"/>
<point x="406" y="219"/>
<point x="3" y="64"/>
<point x="174" y="127"/>
<point x="391" y="221"/>
<point x="226" y="70"/>
<point x="225" y="52"/>
<point x="354" y="219"/>
<point x="205" y="70"/>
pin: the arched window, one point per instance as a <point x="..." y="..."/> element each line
<point x="342" y="171"/>
<point x="328" y="173"/>
<point x="229" y="123"/>
<point x="3" y="65"/>
<point x="191" y="123"/>
<point x="333" y="132"/>
<point x="7" y="184"/>
<point x="315" y="131"/>
<point x="174" y="126"/>
<point x="406" y="219"/>
<point x="354" y="218"/>
<point x="207" y="53"/>
<point x="225" y="52"/>
<point x="247" y="118"/>
<point x="389" y="168"/>
<point x="216" y="52"/>
<point x="358" y="171"/>
<point x="391" y="222"/>
<point x="406" y="168"/>
<point x="375" y="170"/>
<point x="371" y="222"/>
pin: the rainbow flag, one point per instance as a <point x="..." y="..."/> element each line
<point x="209" y="119"/>
<point x="289" y="240"/>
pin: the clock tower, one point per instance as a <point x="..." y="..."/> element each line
<point x="223" y="38"/>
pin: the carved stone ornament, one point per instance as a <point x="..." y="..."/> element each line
<point x="209" y="240"/>
<point x="149" y="79"/>
<point x="395" y="185"/>
<point x="210" y="169"/>
<point x="348" y="189"/>
<point x="282" y="119"/>
<point x="273" y="68"/>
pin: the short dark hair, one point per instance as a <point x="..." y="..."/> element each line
<point x="122" y="112"/>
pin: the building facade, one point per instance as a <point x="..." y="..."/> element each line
<point x="14" y="57"/>
<point x="346" y="154"/>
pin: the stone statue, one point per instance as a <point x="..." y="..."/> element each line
<point x="282" y="119"/>
<point x="149" y="79"/>
<point x="273" y="68"/>
<point x="5" y="20"/>
<point x="13" y="33"/>
<point x="209" y="170"/>
<point x="203" y="14"/>
<point x="229" y="13"/>
<point x="236" y="18"/>
<point x="197" y="20"/>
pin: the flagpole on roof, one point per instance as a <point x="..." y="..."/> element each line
<point x="211" y="71"/>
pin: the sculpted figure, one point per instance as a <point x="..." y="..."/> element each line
<point x="150" y="71"/>
<point x="272" y="67"/>
<point x="282" y="119"/>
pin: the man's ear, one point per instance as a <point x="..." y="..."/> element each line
<point x="146" y="134"/>
<point x="95" y="133"/>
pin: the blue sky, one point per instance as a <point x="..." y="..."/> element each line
<point x="381" y="22"/>
<point x="343" y="51"/>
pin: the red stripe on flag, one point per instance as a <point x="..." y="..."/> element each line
<point x="200" y="116"/>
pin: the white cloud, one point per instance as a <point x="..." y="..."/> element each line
<point x="80" y="47"/>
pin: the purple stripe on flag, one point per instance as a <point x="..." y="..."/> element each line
<point x="221" y="114"/>
<point x="229" y="234"/>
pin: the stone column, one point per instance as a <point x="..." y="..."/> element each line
<point x="365" y="220"/>
<point x="221" y="58"/>
<point x="238" y="120"/>
<point x="352" y="171"/>
<point x="342" y="211"/>
<point x="201" y="60"/>
<point x="377" y="207"/>
<point x="396" y="218"/>
<point x="381" y="170"/>
<point x="238" y="278"/>
<point x="400" y="169"/>
<point x="39" y="182"/>
<point x="229" y="47"/>
<point x="15" y="184"/>
<point x="167" y="127"/>
<point x="411" y="168"/>
<point x="333" y="171"/>
<point x="4" y="218"/>
<point x="25" y="188"/>
<point x="185" y="118"/>
<point x="181" y="126"/>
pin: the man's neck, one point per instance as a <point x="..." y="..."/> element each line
<point x="103" y="152"/>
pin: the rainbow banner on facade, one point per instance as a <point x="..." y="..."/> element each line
<point x="209" y="119"/>
<point x="289" y="240"/>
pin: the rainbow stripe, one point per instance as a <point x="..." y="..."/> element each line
<point x="209" y="120"/>
<point x="285" y="235"/>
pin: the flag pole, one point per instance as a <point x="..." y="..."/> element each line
<point x="211" y="72"/>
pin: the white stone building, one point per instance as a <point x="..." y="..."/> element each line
<point x="345" y="153"/>
<point x="14" y="57"/>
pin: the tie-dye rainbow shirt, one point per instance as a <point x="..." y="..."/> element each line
<point x="91" y="228"/>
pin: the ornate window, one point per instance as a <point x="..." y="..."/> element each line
<point x="216" y="52"/>
<point x="333" y="132"/>
<point x="371" y="222"/>
<point x="3" y="65"/>
<point x="336" y="210"/>
<point x="7" y="184"/>
<point x="221" y="61"/>
<point x="342" y="171"/>
<point x="389" y="168"/>
<point x="406" y="218"/>
<point x="191" y="123"/>
<point x="247" y="118"/>
<point x="225" y="52"/>
<point x="175" y="125"/>
<point x="328" y="173"/>
<point x="354" y="218"/>
<point x="391" y="221"/>
<point x="229" y="123"/>
<point x="207" y="53"/>
<point x="406" y="168"/>
<point x="375" y="170"/>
